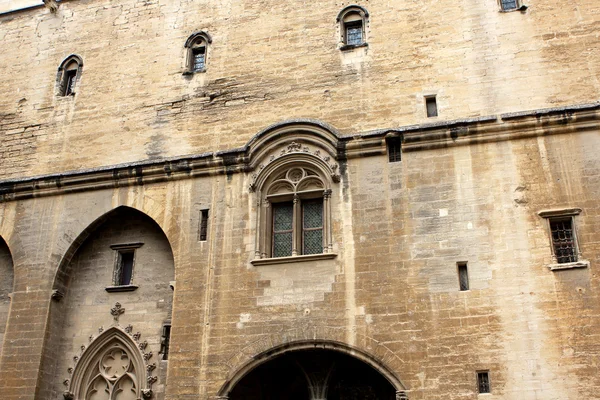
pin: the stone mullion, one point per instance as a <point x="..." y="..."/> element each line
<point x="296" y="226"/>
<point x="267" y="223"/>
<point x="327" y="235"/>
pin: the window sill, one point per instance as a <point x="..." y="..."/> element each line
<point x="120" y="288"/>
<point x="522" y="8"/>
<point x="292" y="259"/>
<point x="348" y="47"/>
<point x="201" y="71"/>
<point x="577" y="264"/>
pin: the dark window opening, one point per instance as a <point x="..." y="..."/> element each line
<point x="70" y="78"/>
<point x="124" y="271"/>
<point x="199" y="59"/>
<point x="483" y="382"/>
<point x="165" y="341"/>
<point x="203" y="225"/>
<point x="507" y="5"/>
<point x="431" y="104"/>
<point x="463" y="276"/>
<point x="354" y="33"/>
<point x="394" y="146"/>
<point x="563" y="240"/>
<point x="283" y="216"/>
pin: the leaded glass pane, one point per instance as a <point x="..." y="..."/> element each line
<point x="509" y="4"/>
<point x="199" y="59"/>
<point x="354" y="34"/>
<point x="282" y="229"/>
<point x="282" y="244"/>
<point x="313" y="214"/>
<point x="313" y="242"/>
<point x="282" y="217"/>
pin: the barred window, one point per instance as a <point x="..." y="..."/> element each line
<point x="563" y="240"/>
<point x="199" y="58"/>
<point x="394" y="146"/>
<point x="312" y="227"/>
<point x="483" y="382"/>
<point x="463" y="276"/>
<point x="283" y="216"/>
<point x="203" y="231"/>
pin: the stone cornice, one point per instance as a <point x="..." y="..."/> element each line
<point x="429" y="136"/>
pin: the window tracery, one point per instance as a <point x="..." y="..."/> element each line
<point x="294" y="199"/>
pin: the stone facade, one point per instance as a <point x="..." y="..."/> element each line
<point x="144" y="149"/>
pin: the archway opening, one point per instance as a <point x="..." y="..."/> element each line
<point x="313" y="374"/>
<point x="6" y="286"/>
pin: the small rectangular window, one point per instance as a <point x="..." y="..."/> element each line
<point x="563" y="240"/>
<point x="508" y="5"/>
<point x="203" y="225"/>
<point x="124" y="271"/>
<point x="283" y="215"/>
<point x="394" y="145"/>
<point x="483" y="382"/>
<point x="354" y="33"/>
<point x="199" y="58"/>
<point x="431" y="104"/>
<point x="463" y="276"/>
<point x="165" y="341"/>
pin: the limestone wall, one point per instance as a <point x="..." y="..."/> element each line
<point x="270" y="62"/>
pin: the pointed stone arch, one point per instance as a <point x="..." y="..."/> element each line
<point x="6" y="287"/>
<point x="112" y="362"/>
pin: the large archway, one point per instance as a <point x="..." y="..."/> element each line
<point x="317" y="371"/>
<point x="6" y="286"/>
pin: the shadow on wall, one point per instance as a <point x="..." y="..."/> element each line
<point x="123" y="257"/>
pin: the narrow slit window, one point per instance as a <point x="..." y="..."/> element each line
<point x="69" y="84"/>
<point x="165" y="341"/>
<point x="394" y="146"/>
<point x="463" y="276"/>
<point x="203" y="234"/>
<point x="563" y="240"/>
<point x="483" y="382"/>
<point x="124" y="271"/>
<point x="283" y="229"/>
<point x="312" y="227"/>
<point x="431" y="104"/>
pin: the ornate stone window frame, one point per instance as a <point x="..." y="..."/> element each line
<point x="352" y="15"/>
<point x="85" y="372"/>
<point x="68" y="76"/>
<point x="199" y="41"/>
<point x="562" y="214"/>
<point x="274" y="183"/>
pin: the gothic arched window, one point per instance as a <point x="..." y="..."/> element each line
<point x="68" y="75"/>
<point x="197" y="52"/>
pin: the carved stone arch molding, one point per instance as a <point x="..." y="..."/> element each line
<point x="377" y="356"/>
<point x="293" y="162"/>
<point x="113" y="366"/>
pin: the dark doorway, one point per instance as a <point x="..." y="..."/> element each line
<point x="313" y="375"/>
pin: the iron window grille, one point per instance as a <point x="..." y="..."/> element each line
<point x="563" y="240"/>
<point x="394" y="147"/>
<point x="463" y="276"/>
<point x="483" y="382"/>
<point x="354" y="33"/>
<point x="203" y="233"/>
<point x="508" y="5"/>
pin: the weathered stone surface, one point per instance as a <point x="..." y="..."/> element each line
<point x="518" y="133"/>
